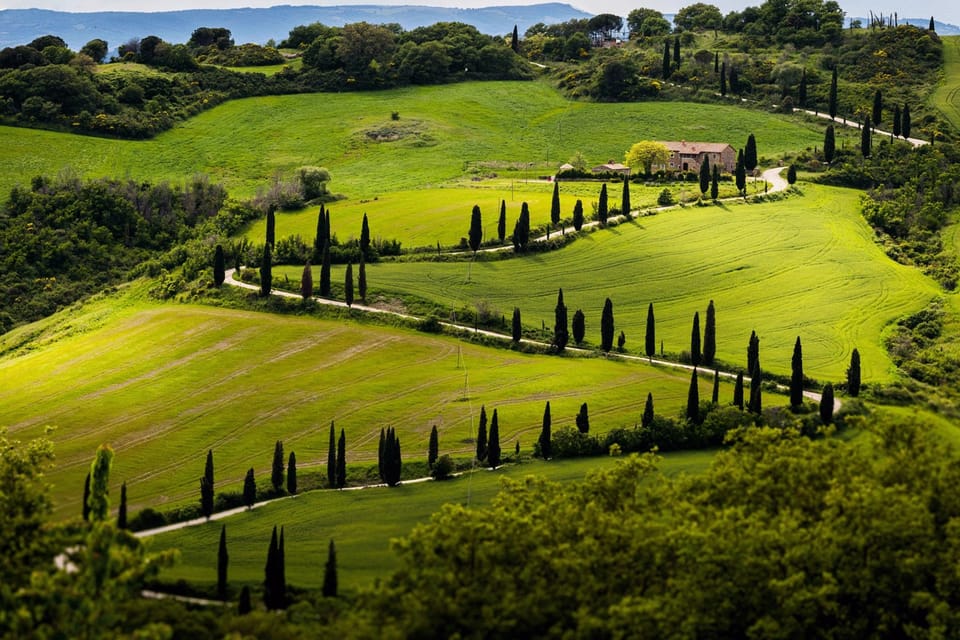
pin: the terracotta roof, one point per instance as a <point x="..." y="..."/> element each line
<point x="613" y="166"/>
<point x="695" y="147"/>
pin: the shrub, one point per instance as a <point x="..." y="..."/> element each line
<point x="569" y="442"/>
<point x="442" y="468"/>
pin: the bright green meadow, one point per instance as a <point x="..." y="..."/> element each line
<point x="946" y="97"/>
<point x="361" y="523"/>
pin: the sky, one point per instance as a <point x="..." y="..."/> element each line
<point x="942" y="10"/>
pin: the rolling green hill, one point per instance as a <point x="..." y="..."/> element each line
<point x="946" y="97"/>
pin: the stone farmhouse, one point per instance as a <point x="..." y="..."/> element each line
<point x="688" y="156"/>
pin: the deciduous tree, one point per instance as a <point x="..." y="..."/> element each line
<point x="646" y="153"/>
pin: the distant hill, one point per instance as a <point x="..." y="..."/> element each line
<point x="20" y="26"/>
<point x="943" y="28"/>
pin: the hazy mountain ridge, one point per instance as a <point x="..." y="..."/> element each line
<point x="20" y="26"/>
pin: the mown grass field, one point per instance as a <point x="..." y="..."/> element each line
<point x="443" y="133"/>
<point x="946" y="97"/>
<point x="164" y="383"/>
<point x="361" y="523"/>
<point x="805" y="266"/>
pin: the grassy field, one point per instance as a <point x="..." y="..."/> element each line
<point x="361" y="523"/>
<point x="444" y="133"/>
<point x="165" y="383"/>
<point x="803" y="266"/>
<point x="946" y="97"/>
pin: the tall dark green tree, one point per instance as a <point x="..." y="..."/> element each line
<point x="896" y="120"/>
<point x="555" y="205"/>
<point x="365" y="236"/>
<point x="932" y="26"/>
<point x="583" y="419"/>
<point x="306" y="282"/>
<point x="665" y="69"/>
<point x="493" y="446"/>
<point x="276" y="470"/>
<point x="391" y="458"/>
<point x="826" y="404"/>
<point x="348" y="285"/>
<point x="865" y="138"/>
<point x="676" y="52"/>
<point x="320" y="238"/>
<point x="433" y="449"/>
<point x="647" y="418"/>
<point x="380" y="455"/>
<point x="521" y="230"/>
<point x="738" y="391"/>
<point x="223" y="560"/>
<point x="266" y="271"/>
<point x="362" y="280"/>
<point x="792" y="174"/>
<point x="756" y="401"/>
<point x="502" y="222"/>
<point x="905" y="121"/>
<point x="546" y="438"/>
<point x="274" y="578"/>
<point x="602" y="208"/>
<point x="476" y="229"/>
<point x="578" y="215"/>
<point x="705" y="176"/>
<point x="734" y="79"/>
<point x="219" y="266"/>
<point x="750" y="153"/>
<point x="244" y="606"/>
<point x="292" y="474"/>
<point x="716" y="61"/>
<point x="482" y="435"/>
<point x="249" y="489"/>
<point x="325" y="271"/>
<point x="877" y="112"/>
<point x="715" y="398"/>
<point x="271" y="226"/>
<point x="342" y="460"/>
<point x="650" y="338"/>
<point x="516" y="327"/>
<point x="710" y="336"/>
<point x="853" y="375"/>
<point x="829" y="144"/>
<point x="625" y="197"/>
<point x="740" y="174"/>
<point x="332" y="459"/>
<point x="606" y="326"/>
<point x="802" y="90"/>
<point x="330" y="573"/>
<point x="561" y="334"/>
<point x="515" y="40"/>
<point x="86" y="498"/>
<point x="621" y="340"/>
<point x="693" y="399"/>
<point x="206" y="487"/>
<point x="753" y="351"/>
<point x="696" y="355"/>
<point x="579" y="326"/>
<point x="723" y="79"/>
<point x="832" y="96"/>
<point x="715" y="183"/>
<point x="122" y="511"/>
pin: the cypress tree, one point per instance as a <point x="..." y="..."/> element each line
<point x="750" y="153"/>
<point x="502" y="222"/>
<point x="223" y="559"/>
<point x="482" y="435"/>
<point x="826" y="404"/>
<point x="493" y="447"/>
<point x="270" y="573"/>
<point x="715" y="183"/>
<point x="693" y="399"/>
<point x="829" y="144"/>
<point x="932" y="26"/>
<point x="292" y="474"/>
<point x="276" y="472"/>
<point x="362" y="280"/>
<point x="865" y="142"/>
<point x="86" y="498"/>
<point x="853" y="375"/>
<point x="665" y="68"/>
<point x="625" y="197"/>
<point x="715" y="398"/>
<point x="271" y="226"/>
<point x="342" y="460"/>
<point x="792" y="174"/>
<point x="705" y="175"/>
<point x="320" y="238"/>
<point x="621" y="340"/>
<point x="266" y="271"/>
<point x="905" y="121"/>
<point x="753" y="351"/>
<point x="555" y="204"/>
<point x="647" y="418"/>
<point x="738" y="391"/>
<point x="606" y="326"/>
<point x="391" y="458"/>
<point x="206" y="487"/>
<point x="244" y="605"/>
<point x="381" y="456"/>
<point x="515" y="41"/>
<point x="330" y="573"/>
<point x="365" y="236"/>
<point x="877" y="112"/>
<point x="716" y="61"/>
<point x="475" y="236"/>
<point x="249" y="489"/>
<point x="583" y="419"/>
<point x="832" y="97"/>
<point x="650" y="339"/>
<point x="756" y="402"/>
<point x="579" y="326"/>
<point x="332" y="459"/>
<point x="578" y="215"/>
<point x="676" y="51"/>
<point x="433" y="449"/>
<point x="306" y="282"/>
<point x="695" y="354"/>
<point x="100" y="484"/>
<point x="546" y="448"/>
<point x="219" y="267"/>
<point x="560" y="332"/>
<point x="348" y="285"/>
<point x="740" y="174"/>
<point x="122" y="512"/>
<point x="325" y="271"/>
<point x="516" y="326"/>
<point x="896" y="120"/>
<point x="802" y="91"/>
<point x="521" y="230"/>
<point x="396" y="460"/>
<point x="602" y="210"/>
<point x="710" y="335"/>
<point x="723" y="79"/>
